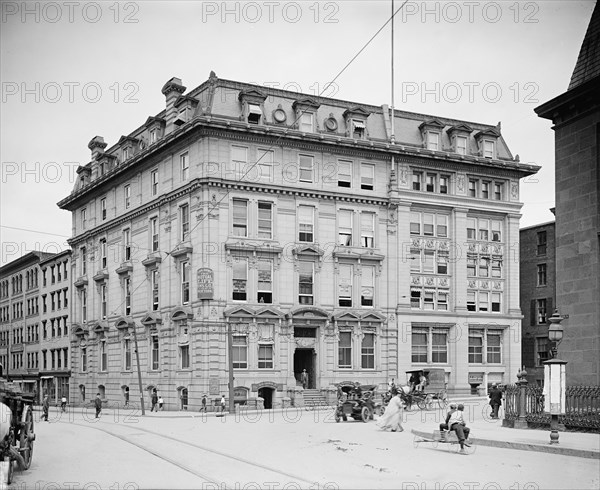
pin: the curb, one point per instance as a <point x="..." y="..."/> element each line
<point x="525" y="446"/>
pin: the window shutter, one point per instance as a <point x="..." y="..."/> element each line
<point x="528" y="351"/>
<point x="533" y="313"/>
<point x="549" y="309"/>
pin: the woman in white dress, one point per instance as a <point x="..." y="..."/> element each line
<point x="392" y="418"/>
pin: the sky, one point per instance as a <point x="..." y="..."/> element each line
<point x="73" y="70"/>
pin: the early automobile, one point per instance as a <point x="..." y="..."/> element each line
<point x="359" y="404"/>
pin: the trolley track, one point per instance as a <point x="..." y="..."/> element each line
<point x="234" y="470"/>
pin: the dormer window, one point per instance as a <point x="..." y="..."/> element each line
<point x="433" y="140"/>
<point x="126" y="153"/>
<point x="153" y="136"/>
<point x="488" y="149"/>
<point x="461" y="145"/>
<point x="486" y="142"/>
<point x="254" y="114"/>
<point x="431" y="132"/>
<point x="181" y="117"/>
<point x="459" y="138"/>
<point x="358" y="129"/>
<point x="307" y="124"/>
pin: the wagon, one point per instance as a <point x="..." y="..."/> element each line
<point x="359" y="407"/>
<point x="16" y="430"/>
<point x="433" y="393"/>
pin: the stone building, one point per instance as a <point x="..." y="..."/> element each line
<point x="20" y="320"/>
<point x="576" y="118"/>
<point x="54" y="341"/>
<point x="299" y="223"/>
<point x="538" y="295"/>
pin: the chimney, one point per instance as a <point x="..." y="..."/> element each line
<point x="171" y="90"/>
<point x="97" y="146"/>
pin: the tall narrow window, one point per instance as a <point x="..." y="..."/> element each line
<point x="475" y="348"/>
<point x="415" y="223"/>
<point x="154" y="234"/>
<point x="127" y="354"/>
<point x="184" y="164"/>
<point x="185" y="283"/>
<point x="367" y="229"/>
<point x="127" y="195"/>
<point x="306" y="220"/>
<point x="184" y="214"/>
<point x="307" y="122"/>
<point x="498" y="191"/>
<point x="461" y="145"/>
<point x="265" y="220"/>
<point x="417" y="181"/>
<point x="472" y="188"/>
<point x="83" y="218"/>
<point x="442" y="225"/>
<point x="239" y="159"/>
<point x="305" y="283"/>
<point x="83" y="359"/>
<point x="305" y="166"/>
<point x="345" y="350"/>
<point x="345" y="227"/>
<point x="430" y="182"/>
<point x="419" y="346"/>
<point x="344" y="173"/>
<point x="155" y="289"/>
<point x="240" y="351"/>
<point x="103" y="356"/>
<point x="83" y="305"/>
<point x="265" y="356"/>
<point x="265" y="281"/>
<point x="444" y="179"/>
<point x="103" y="301"/>
<point x="367" y="354"/>
<point x="240" y="279"/>
<point x="483" y="229"/>
<point x="471" y="230"/>
<point x="154" y="351"/>
<point x="433" y="140"/>
<point x="103" y="257"/>
<point x="367" y="287"/>
<point x="439" y="347"/>
<point x="345" y="285"/>
<point x="541" y="243"/>
<point x="127" y="296"/>
<point x="103" y="208"/>
<point x="265" y="164"/>
<point x="184" y="356"/>
<point x="240" y="217"/>
<point x="428" y="224"/>
<point x="494" y="347"/>
<point x="83" y="255"/>
<point x="127" y="244"/>
<point x="488" y="149"/>
<point x="541" y="274"/>
<point x="154" y="182"/>
<point x="153" y="136"/>
<point x="367" y="176"/>
<point x="496" y="231"/>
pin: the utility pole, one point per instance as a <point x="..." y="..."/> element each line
<point x="139" y="370"/>
<point x="230" y="366"/>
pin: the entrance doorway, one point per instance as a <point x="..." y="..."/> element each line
<point x="267" y="395"/>
<point x="305" y="359"/>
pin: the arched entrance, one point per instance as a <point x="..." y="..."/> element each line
<point x="305" y="359"/>
<point x="183" y="397"/>
<point x="267" y="395"/>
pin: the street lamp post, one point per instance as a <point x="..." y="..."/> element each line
<point x="555" y="377"/>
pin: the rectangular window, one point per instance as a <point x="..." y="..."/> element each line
<point x="83" y="359"/>
<point x="265" y="356"/>
<point x="488" y="149"/>
<point x="83" y="255"/>
<point x="496" y="231"/>
<point x="417" y="181"/>
<point x="127" y="196"/>
<point x="126" y="153"/>
<point x="498" y="191"/>
<point x="415" y="223"/>
<point x="415" y="260"/>
<point x="306" y="223"/>
<point x="483" y="229"/>
<point x="184" y="165"/>
<point x="471" y="230"/>
<point x="265" y="220"/>
<point x="84" y="218"/>
<point x="429" y="300"/>
<point x="485" y="190"/>
<point x="496" y="267"/>
<point x="103" y="208"/>
<point x="127" y="244"/>
<point x="430" y="182"/>
<point x="483" y="301"/>
<point x="475" y="348"/>
<point x="265" y="164"/>
<point x="345" y="227"/>
<point x="345" y="350"/>
<point x="543" y="350"/>
<point x="428" y="224"/>
<point x="442" y="300"/>
<point x="103" y="356"/>
<point x="154" y="229"/>
<point x="155" y="289"/>
<point x="305" y="283"/>
<point x="127" y="354"/>
<point x="240" y="352"/>
<point x="239" y="159"/>
<point x="367" y="351"/>
<point x="154" y="357"/>
<point x="254" y="114"/>
<point x="127" y="291"/>
<point x="344" y="173"/>
<point x="472" y="188"/>
<point x="240" y="279"/>
<point x="542" y="316"/>
<point x="471" y="305"/>
<point x="484" y="266"/>
<point x="154" y="182"/>
<point x="265" y="281"/>
<point x="442" y="262"/>
<point x="439" y="347"/>
<point x="306" y="122"/>
<point x="153" y="136"/>
<point x="367" y="230"/>
<point x="184" y="216"/>
<point x="541" y="243"/>
<point x="494" y="347"/>
<point x="345" y="285"/>
<point x="358" y="129"/>
<point x="428" y="261"/>
<point x="83" y="305"/>
<point x="367" y="289"/>
<point x="541" y="274"/>
<point x="461" y="145"/>
<point x="419" y="345"/>
<point x="305" y="166"/>
<point x="240" y="217"/>
<point x="185" y="282"/>
<point x="415" y="298"/>
<point x="103" y="301"/>
<point x="367" y="176"/>
<point x="496" y="302"/>
<point x="442" y="225"/>
<point x="433" y="140"/>
<point x="444" y="180"/>
<point x="184" y="356"/>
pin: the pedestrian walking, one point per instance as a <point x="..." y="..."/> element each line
<point x="63" y="403"/>
<point x="127" y="396"/>
<point x="45" y="408"/>
<point x="392" y="418"/>
<point x="223" y="403"/>
<point x="154" y="401"/>
<point x="304" y="379"/>
<point x="495" y="400"/>
<point x="160" y="403"/>
<point x="203" y="406"/>
<point x="98" y="405"/>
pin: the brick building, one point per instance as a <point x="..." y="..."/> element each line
<point x="538" y="295"/>
<point x="576" y="118"/>
<point x="295" y="220"/>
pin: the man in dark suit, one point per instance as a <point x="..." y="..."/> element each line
<point x="495" y="400"/>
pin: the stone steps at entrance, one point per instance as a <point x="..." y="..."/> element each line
<point x="314" y="398"/>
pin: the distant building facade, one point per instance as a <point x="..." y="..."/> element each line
<point x="55" y="301"/>
<point x="297" y="222"/>
<point x="576" y="118"/>
<point x="538" y="295"/>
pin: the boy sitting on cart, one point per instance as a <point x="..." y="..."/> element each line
<point x="457" y="423"/>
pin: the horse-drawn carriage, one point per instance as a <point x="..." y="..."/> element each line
<point x="16" y="429"/>
<point x="425" y="388"/>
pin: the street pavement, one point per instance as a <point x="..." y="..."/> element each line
<point x="294" y="448"/>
